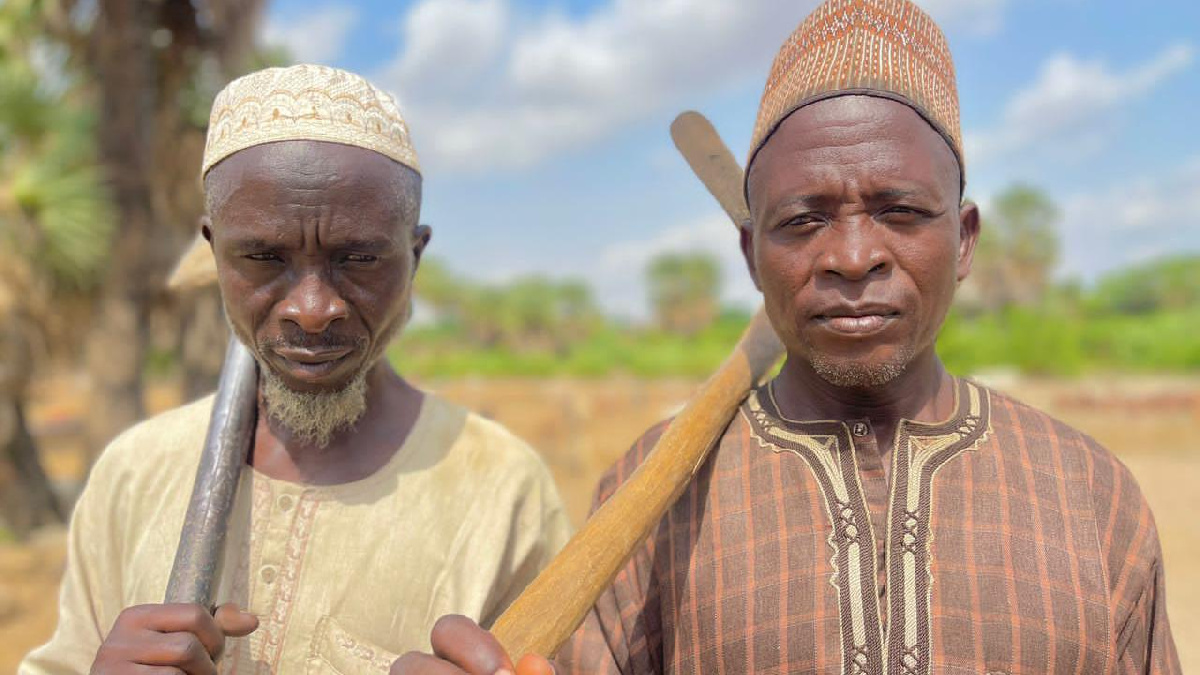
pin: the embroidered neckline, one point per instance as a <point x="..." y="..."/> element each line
<point x="764" y="397"/>
<point x="921" y="450"/>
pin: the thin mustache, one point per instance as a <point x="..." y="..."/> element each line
<point x="313" y="343"/>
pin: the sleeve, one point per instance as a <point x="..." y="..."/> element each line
<point x="1146" y="646"/>
<point x="91" y="587"/>
<point x="623" y="632"/>
<point x="1129" y="538"/>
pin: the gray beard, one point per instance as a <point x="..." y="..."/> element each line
<point x="314" y="418"/>
<point x="854" y="375"/>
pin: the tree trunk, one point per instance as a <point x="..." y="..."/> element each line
<point x="26" y="500"/>
<point x="123" y="62"/>
<point x="116" y="352"/>
<point x="152" y="153"/>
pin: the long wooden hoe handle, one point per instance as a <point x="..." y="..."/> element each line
<point x="712" y="162"/>
<point x="230" y="432"/>
<point x="551" y="607"/>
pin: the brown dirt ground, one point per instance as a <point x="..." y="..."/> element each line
<point x="581" y="427"/>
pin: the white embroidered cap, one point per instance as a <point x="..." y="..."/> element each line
<point x="306" y="102"/>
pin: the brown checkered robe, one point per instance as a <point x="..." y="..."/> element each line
<point x="1007" y="543"/>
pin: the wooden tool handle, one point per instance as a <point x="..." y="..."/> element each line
<point x="230" y="432"/>
<point x="712" y="162"/>
<point x="551" y="607"/>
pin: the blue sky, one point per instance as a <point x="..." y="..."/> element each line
<point x="542" y="124"/>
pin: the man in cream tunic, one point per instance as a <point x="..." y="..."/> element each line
<point x="369" y="508"/>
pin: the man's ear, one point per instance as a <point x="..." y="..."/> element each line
<point x="421" y="235"/>
<point x="206" y="228"/>
<point x="746" y="240"/>
<point x="968" y="236"/>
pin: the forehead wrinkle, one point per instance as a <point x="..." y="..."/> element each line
<point x="876" y="168"/>
<point x="392" y="190"/>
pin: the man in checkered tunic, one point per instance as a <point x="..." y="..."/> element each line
<point x="866" y="511"/>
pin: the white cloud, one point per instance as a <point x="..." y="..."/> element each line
<point x="619" y="276"/>
<point x="485" y="87"/>
<point x="1133" y="221"/>
<point x="1074" y="105"/>
<point x="984" y="17"/>
<point x="450" y="43"/>
<point x="316" y="36"/>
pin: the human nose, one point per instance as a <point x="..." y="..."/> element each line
<point x="313" y="304"/>
<point x="854" y="251"/>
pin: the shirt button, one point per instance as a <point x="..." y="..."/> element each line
<point x="286" y="503"/>
<point x="268" y="574"/>
<point x="860" y="429"/>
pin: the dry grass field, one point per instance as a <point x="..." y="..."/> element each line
<point x="1153" y="424"/>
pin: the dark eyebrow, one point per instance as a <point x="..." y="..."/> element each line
<point x="253" y="244"/>
<point x="808" y="200"/>
<point x="898" y="194"/>
<point x="373" y="245"/>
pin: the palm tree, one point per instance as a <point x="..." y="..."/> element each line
<point x="1017" y="251"/>
<point x="102" y="145"/>
<point x="54" y="230"/>
<point x="153" y="68"/>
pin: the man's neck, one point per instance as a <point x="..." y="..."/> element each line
<point x="923" y="392"/>
<point x="354" y="453"/>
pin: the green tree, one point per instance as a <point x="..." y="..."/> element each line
<point x="440" y="290"/>
<point x="540" y="314"/>
<point x="1164" y="284"/>
<point x="529" y="314"/>
<point x="55" y="222"/>
<point x="152" y="68"/>
<point x="1017" y="251"/>
<point x="141" y="74"/>
<point x="684" y="291"/>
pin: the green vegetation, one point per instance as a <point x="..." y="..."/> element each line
<point x="1043" y="341"/>
<point x="684" y="290"/>
<point x="1017" y="251"/>
<point x="1170" y="284"/>
<point x="56" y="222"/>
<point x="1028" y="340"/>
<point x="530" y="315"/>
<point x="1010" y="313"/>
<point x="537" y="327"/>
<point x="611" y="349"/>
<point x="55" y="213"/>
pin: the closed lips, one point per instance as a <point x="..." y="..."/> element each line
<point x="862" y="319"/>
<point x="312" y="355"/>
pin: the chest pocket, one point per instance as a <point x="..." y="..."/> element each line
<point x="335" y="650"/>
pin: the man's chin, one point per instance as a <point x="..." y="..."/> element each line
<point x="860" y="371"/>
<point x="315" y="415"/>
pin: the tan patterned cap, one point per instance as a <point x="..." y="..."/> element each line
<point x="306" y="102"/>
<point x="886" y="48"/>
